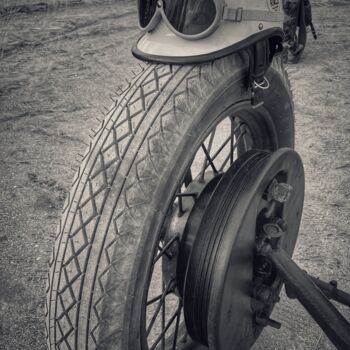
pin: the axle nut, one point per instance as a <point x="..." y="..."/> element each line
<point x="280" y="191"/>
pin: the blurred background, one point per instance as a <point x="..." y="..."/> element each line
<point x="61" y="63"/>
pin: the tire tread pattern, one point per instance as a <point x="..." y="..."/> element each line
<point x="110" y="197"/>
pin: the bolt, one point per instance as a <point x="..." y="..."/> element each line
<point x="263" y="293"/>
<point x="280" y="191"/>
<point x="274" y="324"/>
<point x="271" y="230"/>
<point x="263" y="268"/>
<point x="334" y="283"/>
<point x="266" y="294"/>
<point x="267" y="322"/>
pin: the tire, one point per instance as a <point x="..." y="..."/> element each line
<point x="110" y="226"/>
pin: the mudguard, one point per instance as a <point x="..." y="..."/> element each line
<point x="163" y="46"/>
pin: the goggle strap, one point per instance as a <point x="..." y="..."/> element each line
<point x="239" y="15"/>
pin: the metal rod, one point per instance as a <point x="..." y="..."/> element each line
<point x="335" y="326"/>
<point x="331" y="291"/>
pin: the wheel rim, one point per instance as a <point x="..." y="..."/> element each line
<point x="162" y="321"/>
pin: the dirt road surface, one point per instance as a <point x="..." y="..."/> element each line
<point x="60" y="62"/>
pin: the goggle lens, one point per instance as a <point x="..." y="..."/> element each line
<point x="147" y="9"/>
<point x="190" y="17"/>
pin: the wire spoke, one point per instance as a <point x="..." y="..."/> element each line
<point x="176" y="315"/>
<point x="163" y="317"/>
<point x="159" y="306"/>
<point x="160" y="248"/>
<point x="212" y="135"/>
<point x="164" y="249"/>
<point x="158" y="297"/>
<point x="181" y="208"/>
<point x="188" y="178"/>
<point x="232" y="141"/>
<point x="224" y="144"/>
<point x="221" y="148"/>
<point x="176" y="332"/>
<point x="209" y="159"/>
<point x="230" y="156"/>
<point x="227" y="159"/>
<point x="247" y="145"/>
<point x="188" y="194"/>
<point x="210" y="144"/>
<point x="182" y="195"/>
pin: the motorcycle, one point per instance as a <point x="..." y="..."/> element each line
<point x="182" y="219"/>
<point x="299" y="19"/>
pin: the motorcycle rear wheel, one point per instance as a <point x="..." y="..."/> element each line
<point x="112" y="229"/>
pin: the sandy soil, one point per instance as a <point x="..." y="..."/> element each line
<point x="59" y="61"/>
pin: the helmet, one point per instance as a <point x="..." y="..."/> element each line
<point x="241" y="23"/>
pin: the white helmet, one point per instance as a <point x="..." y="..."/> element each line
<point x="192" y="31"/>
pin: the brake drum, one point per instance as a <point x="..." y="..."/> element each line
<point x="218" y="271"/>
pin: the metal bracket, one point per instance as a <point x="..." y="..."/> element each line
<point x="310" y="292"/>
<point x="261" y="54"/>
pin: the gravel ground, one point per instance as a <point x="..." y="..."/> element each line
<point x="60" y="63"/>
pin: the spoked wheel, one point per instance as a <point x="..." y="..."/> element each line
<point x="163" y="313"/>
<point x="122" y="274"/>
<point x="207" y="284"/>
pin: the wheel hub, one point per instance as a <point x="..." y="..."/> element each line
<point x="229" y="291"/>
<point x="181" y="222"/>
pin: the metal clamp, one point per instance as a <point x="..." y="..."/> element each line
<point x="233" y="14"/>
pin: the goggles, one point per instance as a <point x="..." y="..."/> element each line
<point x="196" y="19"/>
